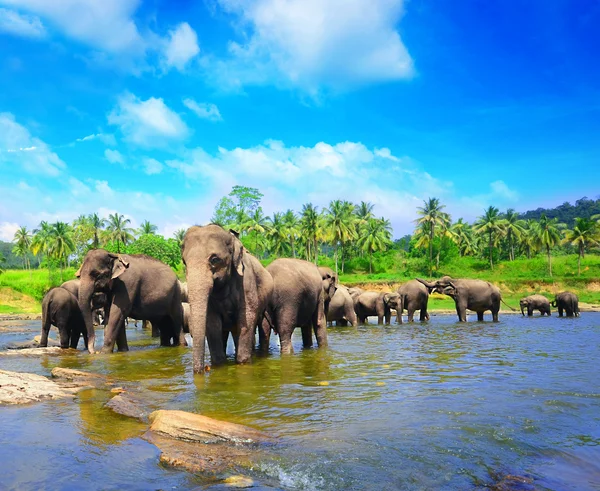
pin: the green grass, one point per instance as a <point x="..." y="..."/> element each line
<point x="34" y="283"/>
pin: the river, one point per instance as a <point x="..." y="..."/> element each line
<point x="441" y="405"/>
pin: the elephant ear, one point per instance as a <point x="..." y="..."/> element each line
<point x="238" y="254"/>
<point x="389" y="296"/>
<point x="78" y="274"/>
<point x="119" y="267"/>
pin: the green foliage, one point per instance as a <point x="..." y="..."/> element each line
<point x="165" y="250"/>
<point x="567" y="213"/>
<point x="35" y="283"/>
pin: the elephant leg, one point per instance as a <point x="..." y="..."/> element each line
<point x="341" y="322"/>
<point x="214" y="336"/>
<point x="75" y="331"/>
<point x="111" y="331"/>
<point x="388" y="317"/>
<point x="529" y="311"/>
<point x="165" y="330"/>
<point x="307" y="340"/>
<point x="380" y="320"/>
<point x="480" y="316"/>
<point x="411" y="315"/>
<point x="319" y="326"/>
<point x="461" y="311"/>
<point x="122" y="339"/>
<point x="495" y="312"/>
<point x="264" y="335"/>
<point x="560" y="311"/>
<point x="423" y="315"/>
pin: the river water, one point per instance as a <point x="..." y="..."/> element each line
<point x="441" y="405"/>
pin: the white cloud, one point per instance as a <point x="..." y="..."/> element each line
<point x="103" y="188"/>
<point x="107" y="25"/>
<point x="78" y="188"/>
<point x="114" y="156"/>
<point x="7" y="231"/>
<point x="106" y="138"/>
<point x="18" y="147"/>
<point x="203" y="110"/>
<point x="180" y="47"/>
<point x="149" y="124"/>
<point x="152" y="166"/>
<point x="315" y="44"/>
<point x="501" y="190"/>
<point x="12" y="22"/>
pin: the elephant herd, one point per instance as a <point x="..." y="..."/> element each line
<point x="229" y="292"/>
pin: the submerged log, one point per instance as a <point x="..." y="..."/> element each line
<point x="23" y="388"/>
<point x="197" y="428"/>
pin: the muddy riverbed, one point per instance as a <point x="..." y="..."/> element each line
<point x="435" y="406"/>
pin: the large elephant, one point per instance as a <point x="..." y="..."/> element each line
<point x="535" y="302"/>
<point x="413" y="296"/>
<point x="136" y="286"/>
<point x="341" y="308"/>
<point x="566" y="302"/>
<point x="60" y="308"/>
<point x="228" y="292"/>
<point x="184" y="291"/>
<point x="475" y="295"/>
<point x="330" y="283"/>
<point x="373" y="303"/>
<point x="299" y="294"/>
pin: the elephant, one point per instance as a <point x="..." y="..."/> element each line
<point x="73" y="287"/>
<point x="330" y="283"/>
<point x="186" y="317"/>
<point x="355" y="292"/>
<point x="476" y="295"/>
<point x="136" y="286"/>
<point x="413" y="296"/>
<point x="566" y="302"/>
<point x="229" y="290"/>
<point x="61" y="309"/>
<point x="341" y="308"/>
<point x="535" y="302"/>
<point x="373" y="303"/>
<point x="298" y="300"/>
<point x="184" y="291"/>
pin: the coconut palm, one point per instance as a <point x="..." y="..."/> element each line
<point x="97" y="224"/>
<point x="292" y="229"/>
<point x="514" y="229"/>
<point x="61" y="244"/>
<point x="339" y="221"/>
<point x="431" y="218"/>
<point x="376" y="236"/>
<point x="547" y="236"/>
<point x="117" y="230"/>
<point x="258" y="223"/>
<point x="310" y="230"/>
<point x="22" y="240"/>
<point x="276" y="235"/>
<point x="585" y="233"/>
<point x="462" y="236"/>
<point x="179" y="235"/>
<point x="147" y="228"/>
<point x="490" y="225"/>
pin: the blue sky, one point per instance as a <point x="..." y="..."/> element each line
<point x="155" y="109"/>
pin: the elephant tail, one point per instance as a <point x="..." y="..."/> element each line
<point x="553" y="303"/>
<point x="269" y="320"/>
<point x="511" y="308"/>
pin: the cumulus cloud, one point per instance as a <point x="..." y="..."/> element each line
<point x="28" y="26"/>
<point x="18" y="147"/>
<point x="114" y="156"/>
<point x="149" y="123"/>
<point x="7" y="231"/>
<point x="107" y="139"/>
<point x="311" y="44"/>
<point x="152" y="166"/>
<point x="180" y="46"/>
<point x="203" y="110"/>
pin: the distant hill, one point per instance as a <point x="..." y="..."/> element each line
<point x="567" y="213"/>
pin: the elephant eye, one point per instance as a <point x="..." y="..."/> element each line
<point x="215" y="260"/>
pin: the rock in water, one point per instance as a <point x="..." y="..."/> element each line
<point x="125" y="405"/>
<point x="197" y="428"/>
<point x="32" y="352"/>
<point x="23" y="388"/>
<point x="79" y="377"/>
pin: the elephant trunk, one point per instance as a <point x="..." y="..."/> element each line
<point x="200" y="285"/>
<point x="86" y="291"/>
<point x="400" y="309"/>
<point x="428" y="284"/>
<point x="522" y="312"/>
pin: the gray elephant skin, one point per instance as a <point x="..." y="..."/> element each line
<point x="136" y="286"/>
<point x="184" y="291"/>
<point x="475" y="295"/>
<point x="567" y="303"/>
<point x="535" y="302"/>
<point x="341" y="308"/>
<point x="60" y="308"/>
<point x="373" y="303"/>
<point x="228" y="292"/>
<point x="298" y="300"/>
<point x="413" y="296"/>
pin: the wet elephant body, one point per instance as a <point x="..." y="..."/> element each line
<point x="373" y="304"/>
<point x="60" y="308"/>
<point x="136" y="286"/>
<point x="297" y="301"/>
<point x="475" y="295"/>
<point x="341" y="308"/>
<point x="567" y="303"/>
<point x="535" y="302"/>
<point x="413" y="296"/>
<point x="228" y="291"/>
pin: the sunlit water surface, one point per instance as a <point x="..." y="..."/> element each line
<point x="435" y="406"/>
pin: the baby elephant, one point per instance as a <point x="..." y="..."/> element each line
<point x="61" y="309"/>
<point x="566" y="302"/>
<point x="535" y="302"/>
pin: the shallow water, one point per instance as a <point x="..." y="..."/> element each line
<point x="435" y="406"/>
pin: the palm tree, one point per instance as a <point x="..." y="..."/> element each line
<point x="462" y="235"/>
<point x="585" y="233"/>
<point x="431" y="217"/>
<point x="2" y="260"/>
<point x="514" y="229"/>
<point x="147" y="228"/>
<point x="61" y="243"/>
<point x="339" y="221"/>
<point x="490" y="224"/>
<point x="258" y="223"/>
<point x="528" y="238"/>
<point x="309" y="228"/>
<point x="376" y="237"/>
<point x="97" y="225"/>
<point x="118" y="231"/>
<point x="179" y="235"/>
<point x="292" y="228"/>
<point x="22" y="240"/>
<point x="277" y="235"/>
<point x="41" y="240"/>
<point x="548" y="235"/>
